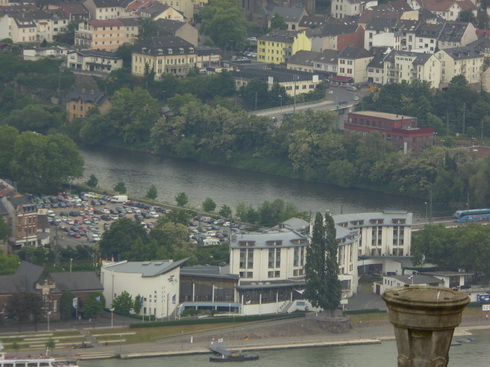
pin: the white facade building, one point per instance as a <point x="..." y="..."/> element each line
<point x="157" y="282"/>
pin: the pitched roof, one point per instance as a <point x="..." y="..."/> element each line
<point x="354" y="53"/>
<point x="369" y="14"/>
<point x="98" y="53"/>
<point x="112" y="3"/>
<point x="155" y="9"/>
<point x="287" y="237"/>
<point x="168" y="45"/>
<point x="462" y="53"/>
<point x="303" y="58"/>
<point x="420" y="58"/>
<point x="169" y="26"/>
<point x="77" y="281"/>
<point x="279" y="36"/>
<point x="312" y="21"/>
<point x="91" y="96"/>
<point x="288" y="14"/>
<point x="453" y="31"/>
<point x="332" y="29"/>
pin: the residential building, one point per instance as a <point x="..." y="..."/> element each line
<point x="466" y="61"/>
<point x="27" y="24"/>
<point x="177" y="28"/>
<point x="22" y="220"/>
<point x="291" y="16"/>
<point x="93" y="61"/>
<point x="163" y="55"/>
<point x="30" y="278"/>
<point x="80" y="101"/>
<point x="380" y="32"/>
<point x="157" y="282"/>
<point x="375" y="70"/>
<point x="158" y="11"/>
<point x="452" y="279"/>
<point x="341" y="9"/>
<point x="106" y="35"/>
<point x="37" y="53"/>
<point x="456" y="34"/>
<point x="401" y="131"/>
<point x="407" y="66"/>
<point x="446" y="9"/>
<point x="352" y="64"/>
<point x="107" y="9"/>
<point x="295" y="82"/>
<point x="208" y="57"/>
<point x="186" y="7"/>
<point x="312" y="22"/>
<point x="315" y="62"/>
<point x="426" y="37"/>
<point x="277" y="46"/>
<point x="75" y="12"/>
<point x="337" y="37"/>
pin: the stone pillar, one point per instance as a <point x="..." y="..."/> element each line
<point x="424" y="318"/>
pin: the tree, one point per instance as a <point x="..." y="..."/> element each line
<point x="94" y="305"/>
<point x="124" y="52"/>
<point x="92" y="181"/>
<point x="467" y="16"/>
<point x="50" y="345"/>
<point x="148" y="28"/>
<point x="123" y="303"/>
<point x="208" y="205"/>
<point x="8" y="262"/>
<point x="225" y="211"/>
<point x="323" y="287"/>
<point x="152" y="193"/>
<point x="138" y="303"/>
<point x="181" y="199"/>
<point x="224" y="22"/>
<point x="44" y="163"/>
<point x="277" y="22"/>
<point x="120" y="187"/>
<point x="119" y="240"/>
<point x="4" y="229"/>
<point x="255" y="93"/>
<point x="66" y="305"/>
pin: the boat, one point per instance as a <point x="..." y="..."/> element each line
<point x="234" y="357"/>
<point x="223" y="354"/>
<point x="41" y="361"/>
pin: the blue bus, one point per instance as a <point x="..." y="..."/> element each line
<point x="473" y="215"/>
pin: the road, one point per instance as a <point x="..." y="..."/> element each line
<point x="334" y="96"/>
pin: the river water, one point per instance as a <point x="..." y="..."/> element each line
<point x="474" y="354"/>
<point x="232" y="186"/>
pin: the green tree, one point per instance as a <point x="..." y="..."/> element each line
<point x="181" y="216"/>
<point x="4" y="230"/>
<point x="255" y="93"/>
<point x="148" y="28"/>
<point x="92" y="181"/>
<point x="44" y="163"/>
<point x="123" y="303"/>
<point x="152" y="193"/>
<point x="224" y="22"/>
<point x="119" y="240"/>
<point x="208" y="205"/>
<point x="138" y="301"/>
<point x="36" y="117"/>
<point x="181" y="199"/>
<point x="8" y="262"/>
<point x="124" y="52"/>
<point x="225" y="211"/>
<point x="277" y="22"/>
<point x="467" y="16"/>
<point x="66" y="305"/>
<point x="8" y="137"/>
<point x="323" y="287"/>
<point x="120" y="187"/>
<point x="94" y="305"/>
<point x="50" y="345"/>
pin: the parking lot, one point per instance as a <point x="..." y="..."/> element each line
<point x="83" y="219"/>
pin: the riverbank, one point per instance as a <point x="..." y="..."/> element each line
<point x="301" y="333"/>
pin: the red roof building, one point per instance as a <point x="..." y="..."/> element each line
<point x="401" y="131"/>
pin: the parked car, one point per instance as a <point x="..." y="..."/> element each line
<point x="352" y="88"/>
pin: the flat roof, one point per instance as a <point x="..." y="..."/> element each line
<point x="384" y="115"/>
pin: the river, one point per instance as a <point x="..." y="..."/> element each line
<point x="474" y="354"/>
<point x="232" y="186"/>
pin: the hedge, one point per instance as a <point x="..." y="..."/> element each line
<point x="218" y="320"/>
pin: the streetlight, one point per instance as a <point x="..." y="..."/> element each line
<point x="426" y="211"/>
<point x="71" y="260"/>
<point x="295" y="77"/>
<point x="48" y="314"/>
<point x="112" y="317"/>
<point x="280" y="99"/>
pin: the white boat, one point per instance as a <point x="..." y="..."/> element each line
<point x="41" y="361"/>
